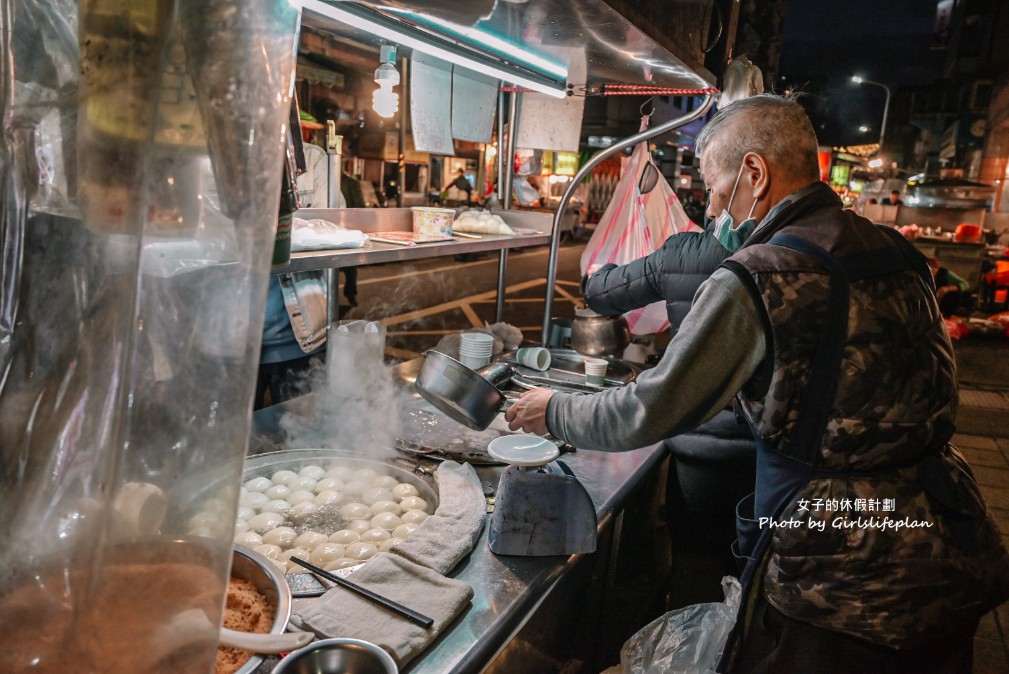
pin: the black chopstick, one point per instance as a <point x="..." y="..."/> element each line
<point x="396" y="608"/>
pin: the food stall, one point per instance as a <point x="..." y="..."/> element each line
<point x="140" y="207"/>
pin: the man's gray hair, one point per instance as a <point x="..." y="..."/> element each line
<point x="775" y="127"/>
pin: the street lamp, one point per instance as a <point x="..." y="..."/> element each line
<point x="886" y="106"/>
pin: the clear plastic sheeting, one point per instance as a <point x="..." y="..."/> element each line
<point x="139" y="182"/>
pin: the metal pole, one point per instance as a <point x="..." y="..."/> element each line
<point x="506" y="153"/>
<point x="502" y="269"/>
<point x="886" y="106"/>
<point x="332" y="296"/>
<point x="597" y="158"/>
<point x="886" y="112"/>
<point x="500" y="147"/>
<point x="507" y="160"/>
<point x="405" y="88"/>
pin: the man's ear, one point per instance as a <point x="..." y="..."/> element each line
<point x="757" y="175"/>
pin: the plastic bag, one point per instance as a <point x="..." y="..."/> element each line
<point x="319" y="234"/>
<point x="688" y="640"/>
<point x="636" y="224"/>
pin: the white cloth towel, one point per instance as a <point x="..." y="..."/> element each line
<point x="450" y="534"/>
<point x="411" y="574"/>
<point x="342" y="613"/>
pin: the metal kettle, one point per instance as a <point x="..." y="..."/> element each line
<point x="595" y="335"/>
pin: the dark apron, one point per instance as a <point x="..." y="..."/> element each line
<point x="780" y="476"/>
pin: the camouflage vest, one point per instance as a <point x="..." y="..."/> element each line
<point x="890" y="540"/>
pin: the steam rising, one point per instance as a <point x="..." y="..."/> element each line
<point x="356" y="401"/>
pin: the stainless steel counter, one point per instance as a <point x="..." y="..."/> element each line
<point x="511" y="591"/>
<point x="372" y="220"/>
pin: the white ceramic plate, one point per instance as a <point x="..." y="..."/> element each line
<point x="521" y="449"/>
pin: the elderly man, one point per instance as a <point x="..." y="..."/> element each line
<point x="866" y="542"/>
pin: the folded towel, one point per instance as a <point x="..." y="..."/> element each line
<point x="342" y="613"/>
<point x="451" y="532"/>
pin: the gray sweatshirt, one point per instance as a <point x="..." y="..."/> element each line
<point x="718" y="348"/>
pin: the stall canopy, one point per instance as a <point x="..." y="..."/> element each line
<point x="514" y="43"/>
<point x="553" y="51"/>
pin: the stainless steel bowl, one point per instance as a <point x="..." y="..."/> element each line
<point x="338" y="656"/>
<point x="458" y="391"/>
<point x="251" y="566"/>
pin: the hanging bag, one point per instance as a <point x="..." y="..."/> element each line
<point x="643" y="212"/>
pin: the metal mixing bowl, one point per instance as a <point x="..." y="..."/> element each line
<point x="251" y="566"/>
<point x="338" y="656"/>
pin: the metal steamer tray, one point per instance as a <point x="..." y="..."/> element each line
<point x="567" y="372"/>
<point x="264" y="465"/>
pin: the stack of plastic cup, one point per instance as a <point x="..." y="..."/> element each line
<point x="595" y="371"/>
<point x="475" y="349"/>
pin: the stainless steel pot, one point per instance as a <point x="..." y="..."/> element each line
<point x="595" y="335"/>
<point x="458" y="391"/>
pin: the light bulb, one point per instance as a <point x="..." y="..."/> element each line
<point x="385" y="101"/>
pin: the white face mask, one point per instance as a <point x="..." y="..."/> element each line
<point x="727" y="233"/>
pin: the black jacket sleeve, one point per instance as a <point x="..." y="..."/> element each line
<point x="614" y="290"/>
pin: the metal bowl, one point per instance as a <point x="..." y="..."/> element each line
<point x="458" y="391"/>
<point x="264" y="574"/>
<point x="338" y="656"/>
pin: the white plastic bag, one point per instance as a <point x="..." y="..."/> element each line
<point x="688" y="640"/>
<point x="635" y="225"/>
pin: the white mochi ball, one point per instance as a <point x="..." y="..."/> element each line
<point x="302" y="511"/>
<point x="282" y="536"/>
<point x="402" y="490"/>
<point x="328" y="484"/>
<point x="263" y="522"/>
<point x="314" y="472"/>
<point x="385" y="521"/>
<point x="268" y="551"/>
<point x="253" y="499"/>
<point x="355" y="511"/>
<point x="403" y="530"/>
<point x="375" y="536"/>
<point x="278" y="491"/>
<point x="385" y="507"/>
<point x="361" y="550"/>
<point x="413" y="516"/>
<point x="258" y="484"/>
<point x="413" y="503"/>
<point x="278" y="506"/>
<point x="344" y="537"/>
<point x="300" y="496"/>
<point x="342" y="563"/>
<point x="283" y="476"/>
<point x="327" y="498"/>
<point x="310" y="540"/>
<point x="249" y="539"/>
<point x="387" y="545"/>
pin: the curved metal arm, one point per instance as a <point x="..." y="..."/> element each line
<point x="597" y="158"/>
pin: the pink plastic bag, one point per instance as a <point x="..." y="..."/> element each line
<point x="635" y="225"/>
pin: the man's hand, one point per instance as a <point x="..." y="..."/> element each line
<point x="529" y="412"/>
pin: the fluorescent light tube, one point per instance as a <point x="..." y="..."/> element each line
<point x="406" y="35"/>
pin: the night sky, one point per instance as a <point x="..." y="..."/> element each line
<point x="825" y="42"/>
